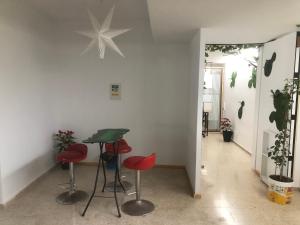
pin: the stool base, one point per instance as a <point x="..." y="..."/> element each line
<point x="68" y="199"/>
<point x="137" y="208"/>
<point x="110" y="186"/>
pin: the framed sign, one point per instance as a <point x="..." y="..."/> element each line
<point x="115" y="91"/>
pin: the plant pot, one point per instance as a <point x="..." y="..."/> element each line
<point x="227" y="135"/>
<point x="65" y="166"/>
<point x="280" y="192"/>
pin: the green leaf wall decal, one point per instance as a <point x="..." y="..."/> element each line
<point x="269" y="65"/>
<point x="252" y="81"/>
<point x="281" y="102"/>
<point x="232" y="79"/>
<point x="240" y="112"/>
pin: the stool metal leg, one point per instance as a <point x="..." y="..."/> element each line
<point x="72" y="178"/>
<point x="138" y="185"/>
<point x="72" y="196"/>
<point x="138" y="207"/>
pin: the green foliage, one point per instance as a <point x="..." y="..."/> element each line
<point x="63" y="139"/>
<point x="226" y="124"/>
<point x="232" y="79"/>
<point x="240" y="112"/>
<point x="279" y="152"/>
<point x="252" y="81"/>
<point x="283" y="102"/>
<point x="229" y="49"/>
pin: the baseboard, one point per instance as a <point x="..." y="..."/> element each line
<point x="156" y="166"/>
<point x="197" y="196"/>
<point x="36" y="180"/>
<point x="241" y="147"/>
<point x="256" y="172"/>
<point x="88" y="163"/>
<point x="170" y="166"/>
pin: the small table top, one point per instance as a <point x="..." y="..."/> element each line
<point x="106" y="136"/>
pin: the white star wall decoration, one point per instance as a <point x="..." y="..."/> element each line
<point x="102" y="35"/>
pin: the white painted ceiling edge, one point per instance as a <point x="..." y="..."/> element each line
<point x="226" y="21"/>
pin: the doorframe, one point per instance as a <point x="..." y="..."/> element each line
<point x="221" y="66"/>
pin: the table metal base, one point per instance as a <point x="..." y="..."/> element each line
<point x="137" y="208"/>
<point x="117" y="180"/>
<point x="110" y="186"/>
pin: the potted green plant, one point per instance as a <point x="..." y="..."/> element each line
<point x="226" y="129"/>
<point x="63" y="140"/>
<point x="280" y="185"/>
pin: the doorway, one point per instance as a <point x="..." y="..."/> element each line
<point x="229" y="91"/>
<point x="212" y="95"/>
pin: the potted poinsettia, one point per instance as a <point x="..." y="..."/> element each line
<point x="280" y="184"/>
<point x="63" y="140"/>
<point x="226" y="128"/>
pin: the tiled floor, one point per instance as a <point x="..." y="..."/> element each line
<point x="235" y="193"/>
<point x="232" y="194"/>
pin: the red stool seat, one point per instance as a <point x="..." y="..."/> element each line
<point x="74" y="153"/>
<point x="140" y="162"/>
<point x="122" y="146"/>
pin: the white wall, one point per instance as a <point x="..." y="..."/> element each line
<point x="283" y="68"/>
<point x="46" y="85"/>
<point x="1" y="193"/>
<point x="232" y="97"/>
<point x="154" y="79"/>
<point x="260" y="71"/>
<point x="193" y="154"/>
<point x="26" y="115"/>
<point x="297" y="149"/>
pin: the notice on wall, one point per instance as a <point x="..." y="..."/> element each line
<point x="115" y="91"/>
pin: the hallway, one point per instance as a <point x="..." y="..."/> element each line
<point x="235" y="192"/>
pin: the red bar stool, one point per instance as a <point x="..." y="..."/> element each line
<point x="73" y="154"/>
<point x="138" y="207"/>
<point x="122" y="148"/>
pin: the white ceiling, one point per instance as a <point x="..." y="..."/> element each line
<point x="225" y="21"/>
<point x="228" y="21"/>
<point x="76" y="10"/>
